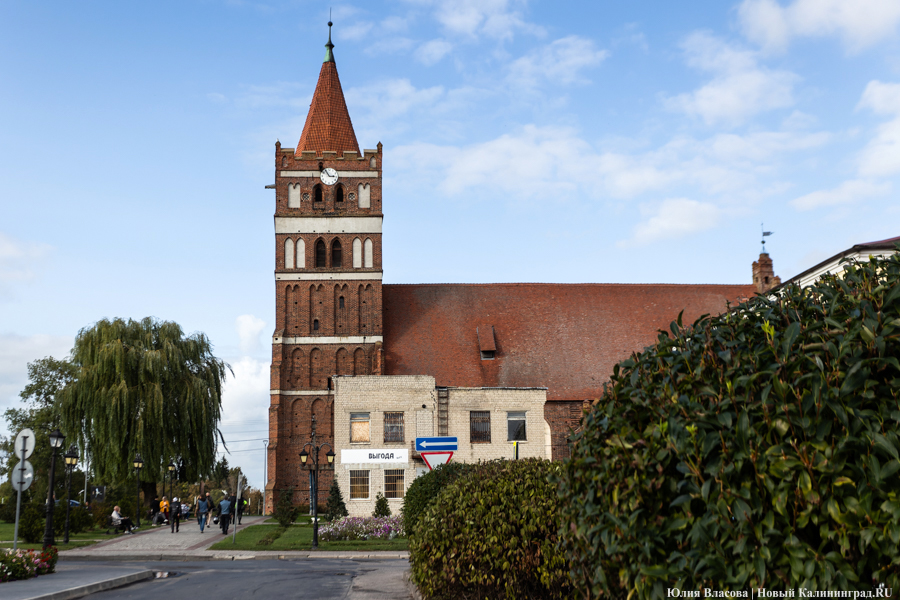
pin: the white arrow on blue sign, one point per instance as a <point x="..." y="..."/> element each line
<point x="426" y="444"/>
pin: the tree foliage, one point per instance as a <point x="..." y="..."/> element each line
<point x="425" y="489"/>
<point x="760" y="448"/>
<point x="143" y="386"/>
<point x="382" y="508"/>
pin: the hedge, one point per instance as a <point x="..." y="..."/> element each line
<point x="492" y="533"/>
<point x="759" y="448"/>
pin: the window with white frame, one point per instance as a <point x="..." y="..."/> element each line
<point x="359" y="485"/>
<point x="515" y="426"/>
<point x="394" y="483"/>
<point x="359" y="428"/>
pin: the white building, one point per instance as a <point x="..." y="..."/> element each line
<point x="377" y="418"/>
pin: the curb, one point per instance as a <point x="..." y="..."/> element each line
<point x="414" y="592"/>
<point x="92" y="588"/>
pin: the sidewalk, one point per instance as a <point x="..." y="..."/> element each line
<point x="75" y="579"/>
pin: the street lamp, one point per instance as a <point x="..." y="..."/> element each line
<point x="71" y="460"/>
<point x="56" y="442"/>
<point x="138" y="465"/>
<point x="304" y="455"/>
<point x="171" y="487"/>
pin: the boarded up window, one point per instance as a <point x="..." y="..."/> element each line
<point x="359" y="485"/>
<point x="393" y="427"/>
<point x="359" y="428"/>
<point x="294" y="195"/>
<point x="364" y="195"/>
<point x="480" y="427"/>
<point x="394" y="483"/>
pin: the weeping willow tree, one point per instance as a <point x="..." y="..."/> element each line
<point x="144" y="387"/>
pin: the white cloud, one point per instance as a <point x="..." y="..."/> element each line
<point x="18" y="260"/>
<point x="560" y="62"/>
<point x="846" y="193"/>
<point x="432" y="51"/>
<point x="494" y="19"/>
<point x="386" y="101"/>
<point x="552" y="162"/>
<point x="673" y="218"/>
<point x="246" y="394"/>
<point x="858" y="23"/>
<point x="355" y="31"/>
<point x="740" y="87"/>
<point x="248" y="328"/>
<point x="881" y="156"/>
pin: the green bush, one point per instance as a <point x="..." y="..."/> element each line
<point x="335" y="507"/>
<point x="285" y="511"/>
<point x="492" y="534"/>
<point x="382" y="508"/>
<point x="424" y="489"/>
<point x="32" y="521"/>
<point x="760" y="448"/>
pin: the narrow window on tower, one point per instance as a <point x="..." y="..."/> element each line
<point x="367" y="253"/>
<point x="357" y="254"/>
<point x="289" y="253"/>
<point x="317" y="194"/>
<point x="315" y="324"/>
<point x="321" y="254"/>
<point x="339" y="194"/>
<point x="336" y="258"/>
<point x="341" y="302"/>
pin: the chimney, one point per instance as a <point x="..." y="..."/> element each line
<point x="764" y="274"/>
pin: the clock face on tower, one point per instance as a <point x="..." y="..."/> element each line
<point x="329" y="176"/>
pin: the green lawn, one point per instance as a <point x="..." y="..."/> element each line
<point x="299" y="537"/>
<point x="59" y="545"/>
<point x="7" y="531"/>
<point x="300" y="520"/>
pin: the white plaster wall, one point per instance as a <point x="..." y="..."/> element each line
<point x="294" y="195"/>
<point x="357" y="254"/>
<point x="364" y="194"/>
<point x="289" y="253"/>
<point x="368" y="253"/>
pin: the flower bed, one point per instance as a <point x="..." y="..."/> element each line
<point x="25" y="564"/>
<point x="362" y="528"/>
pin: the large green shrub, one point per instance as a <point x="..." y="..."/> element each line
<point x="285" y="511"/>
<point x="760" y="448"/>
<point x="492" y="534"/>
<point x="424" y="489"/>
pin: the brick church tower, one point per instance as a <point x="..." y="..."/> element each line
<point x="327" y="282"/>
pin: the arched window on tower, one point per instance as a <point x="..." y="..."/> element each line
<point x="357" y="254"/>
<point x="321" y="254"/>
<point x="336" y="258"/>
<point x="368" y="253"/>
<point x="317" y="193"/>
<point x="339" y="194"/>
<point x="289" y="253"/>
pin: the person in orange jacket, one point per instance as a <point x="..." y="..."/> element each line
<point x="164" y="508"/>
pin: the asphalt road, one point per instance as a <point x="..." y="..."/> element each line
<point x="319" y="579"/>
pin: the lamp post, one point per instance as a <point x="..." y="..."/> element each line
<point x="171" y="487"/>
<point x="56" y="442"/>
<point x="71" y="460"/>
<point x="304" y="455"/>
<point x="138" y="465"/>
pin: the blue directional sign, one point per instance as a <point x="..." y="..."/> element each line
<point x="436" y="444"/>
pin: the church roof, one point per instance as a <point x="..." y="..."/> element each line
<point x="328" y="125"/>
<point x="565" y="337"/>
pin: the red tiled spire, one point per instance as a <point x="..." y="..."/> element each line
<point x="328" y="125"/>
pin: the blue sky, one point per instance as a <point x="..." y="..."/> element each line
<point x="589" y="141"/>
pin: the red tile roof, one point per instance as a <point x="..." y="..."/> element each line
<point x="565" y="337"/>
<point x="328" y="125"/>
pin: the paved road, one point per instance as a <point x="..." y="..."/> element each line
<point x="320" y="579"/>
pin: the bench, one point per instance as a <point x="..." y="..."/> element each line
<point x="112" y="526"/>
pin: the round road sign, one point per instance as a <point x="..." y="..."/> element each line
<point x="22" y="476"/>
<point x="24" y="444"/>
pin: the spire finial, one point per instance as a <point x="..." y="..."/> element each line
<point x="765" y="234"/>
<point x="329" y="54"/>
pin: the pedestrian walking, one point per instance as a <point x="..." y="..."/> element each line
<point x="202" y="512"/>
<point x="224" y="514"/>
<point x="176" y="515"/>
<point x="242" y="504"/>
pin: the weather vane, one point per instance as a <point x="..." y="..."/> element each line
<point x="765" y="234"/>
